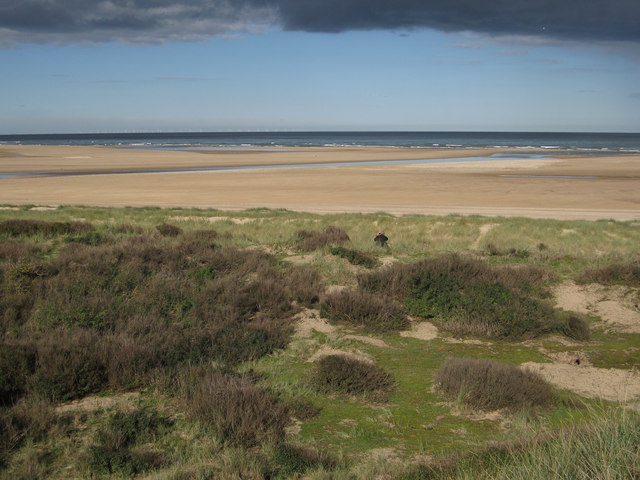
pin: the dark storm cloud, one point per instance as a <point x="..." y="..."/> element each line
<point x="562" y="19"/>
<point x="64" y="21"/>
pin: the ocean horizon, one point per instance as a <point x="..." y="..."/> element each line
<point x="567" y="142"/>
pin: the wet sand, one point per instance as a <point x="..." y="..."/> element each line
<point x="561" y="187"/>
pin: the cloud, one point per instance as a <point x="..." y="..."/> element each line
<point x="154" y="21"/>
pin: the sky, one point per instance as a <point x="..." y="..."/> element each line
<point x="109" y="66"/>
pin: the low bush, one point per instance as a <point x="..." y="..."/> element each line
<point x="305" y="285"/>
<point x="615" y="274"/>
<point x="489" y="385"/>
<point x="105" y="461"/>
<point x="168" y="230"/>
<point x="355" y="257"/>
<point x="313" y="240"/>
<point x="29" y="419"/>
<point x="126" y="429"/>
<point x="236" y="411"/>
<point x="28" y="228"/>
<point x="69" y="366"/>
<point x="372" y="312"/>
<point x="573" y="325"/>
<point x="296" y="460"/>
<point x="17" y="364"/>
<point x="114" y="451"/>
<point x="346" y="375"/>
<point x="392" y="280"/>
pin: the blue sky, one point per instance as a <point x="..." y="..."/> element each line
<point x="270" y="76"/>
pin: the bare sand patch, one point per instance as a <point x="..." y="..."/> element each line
<point x="236" y="220"/>
<point x="611" y="384"/>
<point x="570" y="358"/>
<point x="309" y="320"/>
<point x="421" y="331"/>
<point x="614" y="305"/>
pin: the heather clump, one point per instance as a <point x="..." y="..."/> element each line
<point x="490" y="385"/>
<point x="309" y="240"/>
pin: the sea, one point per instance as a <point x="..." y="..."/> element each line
<point x="567" y="143"/>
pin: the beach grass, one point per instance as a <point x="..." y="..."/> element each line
<point x="161" y="343"/>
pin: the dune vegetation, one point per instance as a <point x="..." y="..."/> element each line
<point x="205" y="344"/>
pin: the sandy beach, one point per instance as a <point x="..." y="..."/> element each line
<point x="327" y="180"/>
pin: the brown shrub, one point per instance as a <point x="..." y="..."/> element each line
<point x="373" y="312"/>
<point x="618" y="273"/>
<point x="573" y="325"/>
<point x="17" y="251"/>
<point x="343" y="374"/>
<point x="24" y="227"/>
<point x="313" y="240"/>
<point x="68" y="366"/>
<point x="236" y="411"/>
<point x="168" y="230"/>
<point x="489" y="385"/>
<point x="17" y="364"/>
<point x="305" y="284"/>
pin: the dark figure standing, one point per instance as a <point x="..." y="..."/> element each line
<point x="381" y="239"/>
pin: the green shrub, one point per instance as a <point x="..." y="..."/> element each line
<point x="346" y="375"/>
<point x="313" y="240"/>
<point x="469" y="297"/>
<point x="294" y="459"/>
<point x="236" y="411"/>
<point x="372" y="312"/>
<point x="489" y="385"/>
<point x="103" y="460"/>
<point x="130" y="428"/>
<point x="355" y="257"/>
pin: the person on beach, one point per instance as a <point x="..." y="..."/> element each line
<point x="381" y="239"/>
